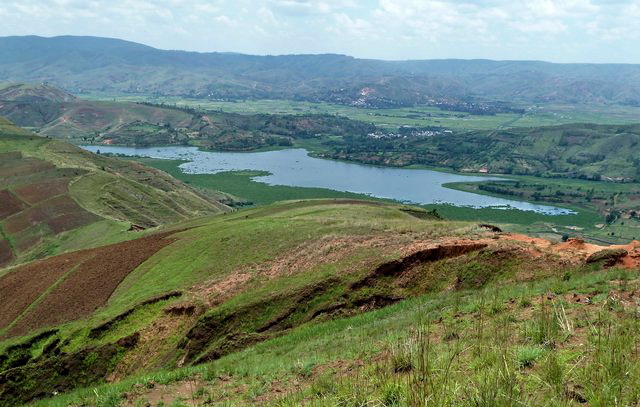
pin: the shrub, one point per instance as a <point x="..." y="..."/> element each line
<point x="527" y="356"/>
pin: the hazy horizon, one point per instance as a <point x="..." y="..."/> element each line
<point x="576" y="31"/>
<point x="329" y="53"/>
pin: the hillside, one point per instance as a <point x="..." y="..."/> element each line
<point x="21" y="92"/>
<point x="143" y="124"/>
<point x="57" y="197"/>
<point x="578" y="150"/>
<point x="81" y="64"/>
<point x="587" y="151"/>
<point x="314" y="302"/>
<point x="85" y="121"/>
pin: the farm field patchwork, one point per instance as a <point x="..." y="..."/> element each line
<point x="422" y="116"/>
<point x="38" y="204"/>
<point x="55" y="291"/>
<point x="56" y="197"/>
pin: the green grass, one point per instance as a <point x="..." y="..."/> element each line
<point x="515" y="216"/>
<point x="218" y="246"/>
<point x="251" y="237"/>
<point x="398" y="354"/>
<point x="545" y="115"/>
<point x="491" y="325"/>
<point x="118" y="192"/>
<point x="590" y="223"/>
<point x="93" y="235"/>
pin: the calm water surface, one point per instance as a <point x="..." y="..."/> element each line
<point x="295" y="168"/>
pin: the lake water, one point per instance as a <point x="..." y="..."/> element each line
<point x="294" y="167"/>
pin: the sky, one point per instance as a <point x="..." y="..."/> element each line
<point x="550" y="30"/>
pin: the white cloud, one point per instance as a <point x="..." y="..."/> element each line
<point x="392" y="29"/>
<point x="542" y="26"/>
<point x="227" y="21"/>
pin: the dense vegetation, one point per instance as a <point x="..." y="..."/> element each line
<point x="585" y="151"/>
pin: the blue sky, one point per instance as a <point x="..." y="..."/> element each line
<point x="551" y="30"/>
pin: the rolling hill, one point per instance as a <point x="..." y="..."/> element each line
<point x="579" y="150"/>
<point x="57" y="197"/>
<point x="142" y="124"/>
<point x="81" y="64"/>
<point x="22" y="92"/>
<point x="316" y="302"/>
<point x="122" y="286"/>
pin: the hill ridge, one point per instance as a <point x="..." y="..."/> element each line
<point x="81" y="64"/>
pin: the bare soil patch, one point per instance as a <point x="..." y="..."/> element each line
<point x="20" y="288"/>
<point x="89" y="287"/>
<point x="6" y="254"/>
<point x="43" y="190"/>
<point x="53" y="208"/>
<point x="9" y="204"/>
<point x="577" y="248"/>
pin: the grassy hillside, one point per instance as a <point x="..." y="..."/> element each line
<point x="57" y="197"/>
<point x="329" y="302"/>
<point x="21" y="92"/>
<point x="143" y="124"/>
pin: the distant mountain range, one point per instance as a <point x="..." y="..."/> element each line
<point x="92" y="64"/>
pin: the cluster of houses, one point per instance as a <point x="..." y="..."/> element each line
<point x="412" y="133"/>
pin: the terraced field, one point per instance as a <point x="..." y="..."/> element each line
<point x="37" y="201"/>
<point x="50" y="292"/>
<point x="55" y="197"/>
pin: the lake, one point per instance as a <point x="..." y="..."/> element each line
<point x="294" y="167"/>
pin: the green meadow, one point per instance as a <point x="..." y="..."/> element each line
<point x="421" y="116"/>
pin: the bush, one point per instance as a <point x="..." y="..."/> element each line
<point x="527" y="356"/>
